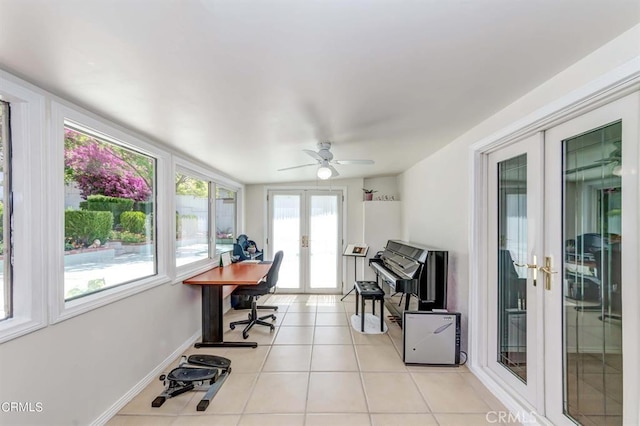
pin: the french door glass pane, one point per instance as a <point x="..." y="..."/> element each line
<point x="512" y="280"/>
<point x="286" y="237"/>
<point x="323" y="241"/>
<point x="592" y="235"/>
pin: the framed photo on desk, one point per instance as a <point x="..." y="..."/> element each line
<point x="356" y="250"/>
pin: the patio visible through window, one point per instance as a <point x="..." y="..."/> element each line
<point x="192" y="219"/>
<point x="109" y="216"/>
<point x="225" y="219"/>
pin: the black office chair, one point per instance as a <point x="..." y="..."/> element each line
<point x="255" y="291"/>
<point x="239" y="253"/>
<point x="609" y="271"/>
<point x="241" y="247"/>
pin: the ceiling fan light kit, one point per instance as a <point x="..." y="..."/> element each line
<point x="324" y="158"/>
<point x="324" y="172"/>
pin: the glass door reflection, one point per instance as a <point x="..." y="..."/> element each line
<point x="592" y="302"/>
<point x="512" y="251"/>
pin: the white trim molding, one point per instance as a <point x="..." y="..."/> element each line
<point x="60" y="309"/>
<point x="28" y="169"/>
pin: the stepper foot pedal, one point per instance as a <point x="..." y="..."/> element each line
<point x="158" y="401"/>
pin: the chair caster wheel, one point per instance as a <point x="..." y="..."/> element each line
<point x="231" y="326"/>
<point x="245" y="335"/>
<point x="273" y="327"/>
<point x="275" y="309"/>
<point x="273" y="317"/>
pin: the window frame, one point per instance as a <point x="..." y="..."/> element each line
<point x="214" y="199"/>
<point x="28" y="169"/>
<point x="62" y="113"/>
<point x="209" y="261"/>
<point x="183" y="164"/>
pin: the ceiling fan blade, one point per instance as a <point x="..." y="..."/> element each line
<point x="353" y="162"/>
<point x="313" y="154"/>
<point x="297" y="167"/>
<point x="334" y="172"/>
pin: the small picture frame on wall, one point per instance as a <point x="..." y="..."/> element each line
<point x="356" y="250"/>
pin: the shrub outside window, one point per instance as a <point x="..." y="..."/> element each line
<point x="109" y="214"/>
<point x="192" y="219"/>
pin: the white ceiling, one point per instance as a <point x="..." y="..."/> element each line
<point x="244" y="86"/>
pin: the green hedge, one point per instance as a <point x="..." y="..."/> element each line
<point x="84" y="227"/>
<point x="133" y="222"/>
<point x="109" y="204"/>
<point x="145" y="207"/>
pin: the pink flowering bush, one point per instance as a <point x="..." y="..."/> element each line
<point x="100" y="168"/>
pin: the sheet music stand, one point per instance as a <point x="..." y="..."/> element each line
<point x="355" y="251"/>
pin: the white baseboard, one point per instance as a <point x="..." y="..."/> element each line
<point x="513" y="404"/>
<point x="153" y="375"/>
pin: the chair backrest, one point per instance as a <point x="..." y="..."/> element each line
<point x="237" y="251"/>
<point x="272" y="275"/>
<point x="243" y="240"/>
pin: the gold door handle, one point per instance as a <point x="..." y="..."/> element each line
<point x="548" y="270"/>
<point x="530" y="266"/>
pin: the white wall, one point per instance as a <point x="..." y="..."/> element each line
<point x="78" y="368"/>
<point x="386" y="186"/>
<point x="435" y="192"/>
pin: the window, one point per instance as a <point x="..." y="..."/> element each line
<point x="23" y="156"/>
<point x="109" y="237"/>
<point x="6" y="299"/>
<point x="226" y="214"/>
<point x="192" y="219"/>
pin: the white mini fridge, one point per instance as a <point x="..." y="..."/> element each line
<point x="431" y="337"/>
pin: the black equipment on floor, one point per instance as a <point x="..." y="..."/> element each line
<point x="198" y="372"/>
<point x="255" y="291"/>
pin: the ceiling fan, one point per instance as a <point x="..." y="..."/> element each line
<point x="324" y="158"/>
<point x="614" y="158"/>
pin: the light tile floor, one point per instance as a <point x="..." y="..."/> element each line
<point x="314" y="369"/>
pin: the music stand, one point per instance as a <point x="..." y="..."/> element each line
<point x="355" y="251"/>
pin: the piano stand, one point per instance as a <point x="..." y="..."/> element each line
<point x="355" y="276"/>
<point x="370" y="290"/>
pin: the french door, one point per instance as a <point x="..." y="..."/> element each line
<point x="515" y="243"/>
<point x="307" y="226"/>
<point x="562" y="244"/>
<point x="591" y="240"/>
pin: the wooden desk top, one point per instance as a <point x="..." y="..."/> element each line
<point x="236" y="273"/>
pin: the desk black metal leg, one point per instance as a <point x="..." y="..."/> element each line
<point x="212" y="320"/>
